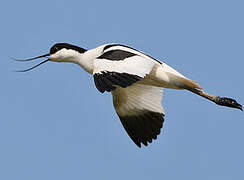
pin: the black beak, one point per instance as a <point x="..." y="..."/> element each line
<point x="30" y="59"/>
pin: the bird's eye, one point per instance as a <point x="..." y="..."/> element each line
<point x="56" y="48"/>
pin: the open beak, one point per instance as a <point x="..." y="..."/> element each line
<point x="30" y="59"/>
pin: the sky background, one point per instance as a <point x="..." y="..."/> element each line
<point x="54" y="124"/>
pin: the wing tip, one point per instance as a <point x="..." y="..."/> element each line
<point x="144" y="127"/>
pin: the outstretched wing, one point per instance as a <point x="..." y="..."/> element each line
<point x="140" y="111"/>
<point x="120" y="67"/>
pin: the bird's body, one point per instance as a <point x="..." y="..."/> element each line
<point x="157" y="73"/>
<point x="136" y="81"/>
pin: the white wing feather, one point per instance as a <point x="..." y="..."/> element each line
<point x="136" y="98"/>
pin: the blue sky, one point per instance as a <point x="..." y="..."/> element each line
<point x="54" y="124"/>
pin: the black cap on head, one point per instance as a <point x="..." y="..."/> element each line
<point x="59" y="46"/>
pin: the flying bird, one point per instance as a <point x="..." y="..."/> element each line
<point x="136" y="81"/>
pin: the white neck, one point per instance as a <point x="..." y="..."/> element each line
<point x="86" y="60"/>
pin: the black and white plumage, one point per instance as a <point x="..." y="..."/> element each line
<point x="136" y="82"/>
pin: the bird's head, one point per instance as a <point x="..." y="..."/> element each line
<point x="64" y="52"/>
<point x="60" y="52"/>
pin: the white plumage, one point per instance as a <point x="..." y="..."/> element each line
<point x="128" y="65"/>
<point x="136" y="98"/>
<point x="136" y="81"/>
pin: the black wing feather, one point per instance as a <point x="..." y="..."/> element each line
<point x="144" y="127"/>
<point x="106" y="81"/>
<point x="116" y="55"/>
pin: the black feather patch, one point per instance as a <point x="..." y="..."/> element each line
<point x="113" y="45"/>
<point x="116" y="55"/>
<point x="59" y="46"/>
<point x="105" y="81"/>
<point x="144" y="127"/>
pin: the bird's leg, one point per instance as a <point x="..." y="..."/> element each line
<point x="222" y="101"/>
